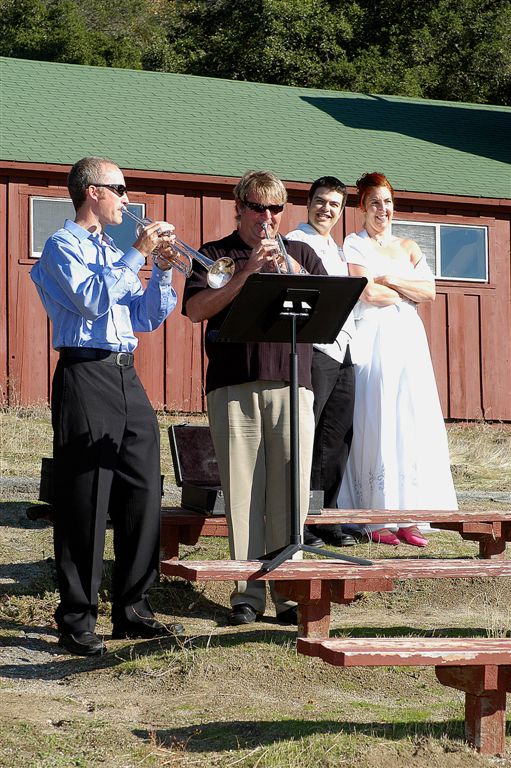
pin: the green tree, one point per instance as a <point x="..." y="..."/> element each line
<point x="443" y="49"/>
<point x="93" y="32"/>
<point x="22" y="27"/>
<point x="472" y="56"/>
<point x="292" y="42"/>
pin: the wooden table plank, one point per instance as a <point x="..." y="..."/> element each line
<point x="408" y="651"/>
<point x="389" y="568"/>
<point x="376" y="516"/>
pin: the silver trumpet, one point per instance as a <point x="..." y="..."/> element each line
<point x="281" y="257"/>
<point x="181" y="256"/>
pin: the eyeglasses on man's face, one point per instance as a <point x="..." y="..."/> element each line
<point x="260" y="208"/>
<point x="119" y="189"/>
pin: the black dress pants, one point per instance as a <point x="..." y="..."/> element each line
<point x="333" y="384"/>
<point x="106" y="462"/>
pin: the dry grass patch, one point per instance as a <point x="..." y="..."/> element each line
<point x="480" y="456"/>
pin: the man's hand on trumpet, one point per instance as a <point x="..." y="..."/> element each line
<point x="157" y="236"/>
<point x="262" y="257"/>
<point x="267" y="257"/>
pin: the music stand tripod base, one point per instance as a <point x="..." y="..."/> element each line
<point x="280" y="556"/>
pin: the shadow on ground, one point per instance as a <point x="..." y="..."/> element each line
<point x="239" y="734"/>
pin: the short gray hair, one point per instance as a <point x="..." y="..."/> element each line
<point x="84" y="173"/>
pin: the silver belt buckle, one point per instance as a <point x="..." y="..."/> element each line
<point x="123" y="358"/>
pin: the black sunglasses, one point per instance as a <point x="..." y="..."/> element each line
<point x="119" y="189"/>
<point x="260" y="208"/>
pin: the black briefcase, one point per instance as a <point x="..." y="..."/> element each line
<point x="196" y="469"/>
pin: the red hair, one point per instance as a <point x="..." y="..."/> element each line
<point x="370" y="180"/>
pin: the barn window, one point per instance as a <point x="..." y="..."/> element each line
<point x="48" y="214"/>
<point x="453" y="251"/>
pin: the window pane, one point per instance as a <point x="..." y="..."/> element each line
<point x="425" y="237"/>
<point x="48" y="215"/>
<point x="463" y="251"/>
<point x="125" y="234"/>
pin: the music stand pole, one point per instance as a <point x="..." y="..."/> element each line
<point x="273" y="559"/>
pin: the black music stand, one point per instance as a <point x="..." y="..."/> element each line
<point x="299" y="309"/>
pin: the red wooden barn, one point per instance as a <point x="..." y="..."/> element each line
<point x="183" y="141"/>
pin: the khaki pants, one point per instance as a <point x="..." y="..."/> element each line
<point x="250" y="427"/>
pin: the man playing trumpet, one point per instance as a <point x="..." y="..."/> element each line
<point x="247" y="386"/>
<point x="106" y="457"/>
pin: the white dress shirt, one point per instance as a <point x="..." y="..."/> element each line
<point x="335" y="264"/>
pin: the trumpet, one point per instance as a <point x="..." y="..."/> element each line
<point x="281" y="256"/>
<point x="182" y="256"/>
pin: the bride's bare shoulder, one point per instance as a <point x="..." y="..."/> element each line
<point x="409" y="248"/>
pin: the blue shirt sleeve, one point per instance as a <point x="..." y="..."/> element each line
<point x="92" y="292"/>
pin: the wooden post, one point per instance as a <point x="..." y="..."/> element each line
<point x="313" y="598"/>
<point x="485" y="703"/>
<point x="492" y="548"/>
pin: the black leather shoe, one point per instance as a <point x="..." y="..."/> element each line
<point x="312" y="539"/>
<point x="82" y="643"/>
<point x="339" y="538"/>
<point x="146" y="627"/>
<point x="243" y="613"/>
<point x="289" y="616"/>
<point x="359" y="533"/>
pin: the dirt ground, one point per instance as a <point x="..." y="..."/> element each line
<point x="226" y="696"/>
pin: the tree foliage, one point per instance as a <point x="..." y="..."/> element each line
<point x="457" y="50"/>
<point x="111" y="33"/>
<point x="292" y="42"/>
<point x="443" y="49"/>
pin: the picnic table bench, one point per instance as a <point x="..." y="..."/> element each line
<point x="492" y="528"/>
<point x="315" y="584"/>
<point x="481" y="667"/>
<point x="181" y="526"/>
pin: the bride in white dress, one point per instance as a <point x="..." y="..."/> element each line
<point x="399" y="457"/>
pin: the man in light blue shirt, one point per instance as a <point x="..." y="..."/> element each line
<point x="106" y="455"/>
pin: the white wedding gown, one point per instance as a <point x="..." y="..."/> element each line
<point x="399" y="456"/>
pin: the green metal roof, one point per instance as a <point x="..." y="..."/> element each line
<point x="57" y="113"/>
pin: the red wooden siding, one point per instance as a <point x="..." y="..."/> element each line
<point x="434" y="317"/>
<point x="3" y="291"/>
<point x="468" y="326"/>
<point x="496" y="325"/>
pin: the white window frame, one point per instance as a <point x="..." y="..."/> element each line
<point x="34" y="198"/>
<point x="437" y="225"/>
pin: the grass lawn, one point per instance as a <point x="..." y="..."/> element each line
<point x="227" y="696"/>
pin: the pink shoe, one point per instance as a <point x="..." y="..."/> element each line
<point x="384" y="536"/>
<point x="413" y="536"/>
